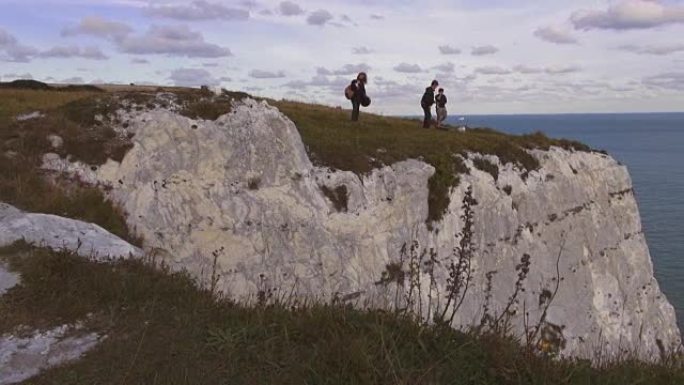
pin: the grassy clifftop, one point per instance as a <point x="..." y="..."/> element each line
<point x="330" y="138"/>
<point x="334" y="141"/>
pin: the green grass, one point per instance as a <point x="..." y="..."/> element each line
<point x="333" y="141"/>
<point x="162" y="329"/>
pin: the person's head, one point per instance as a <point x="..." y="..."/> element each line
<point x="441" y="90"/>
<point x="434" y="84"/>
<point x="362" y="77"/>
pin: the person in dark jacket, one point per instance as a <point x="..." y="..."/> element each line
<point x="359" y="97"/>
<point x="427" y="101"/>
<point x="441" y="101"/>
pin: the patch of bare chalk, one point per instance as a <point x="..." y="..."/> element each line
<point x="24" y="357"/>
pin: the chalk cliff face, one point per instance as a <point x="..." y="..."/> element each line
<point x="237" y="199"/>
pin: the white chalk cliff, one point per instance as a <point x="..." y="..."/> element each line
<point x="238" y="199"/>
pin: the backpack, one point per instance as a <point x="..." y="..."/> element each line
<point x="348" y="92"/>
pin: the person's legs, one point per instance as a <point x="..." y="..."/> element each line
<point x="441" y="115"/>
<point x="428" y="117"/>
<point x="355" y="110"/>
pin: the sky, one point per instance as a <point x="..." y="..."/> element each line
<point x="491" y="56"/>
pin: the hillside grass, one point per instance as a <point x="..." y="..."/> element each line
<point x="162" y="329"/>
<point x="332" y="140"/>
<point x="23" y="143"/>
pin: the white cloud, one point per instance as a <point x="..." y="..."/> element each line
<point x="492" y="70"/>
<point x="140" y="61"/>
<point x="484" y="50"/>
<point x="197" y="10"/>
<point x="6" y="39"/>
<point x="446" y="68"/>
<point x="549" y="70"/>
<point x="73" y="80"/>
<point x="653" y="50"/>
<point x="173" y="41"/>
<point x="97" y="26"/>
<point x="670" y="81"/>
<point x="629" y="14"/>
<point x="349" y="69"/>
<point x="375" y="16"/>
<point x="192" y="77"/>
<point x="65" y="52"/>
<point x="555" y="34"/>
<point x="362" y="50"/>
<point x="261" y="74"/>
<point x="24" y="76"/>
<point x="12" y="51"/>
<point x="449" y="50"/>
<point x="408" y="68"/>
<point x="320" y="17"/>
<point x="562" y="70"/>
<point x="289" y="8"/>
<point x="523" y="69"/>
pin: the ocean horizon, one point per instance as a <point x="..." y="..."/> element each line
<point x="651" y="145"/>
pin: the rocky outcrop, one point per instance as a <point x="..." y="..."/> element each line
<point x="558" y="251"/>
<point x="24" y="357"/>
<point x="57" y="233"/>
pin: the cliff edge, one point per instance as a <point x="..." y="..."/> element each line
<point x="556" y="253"/>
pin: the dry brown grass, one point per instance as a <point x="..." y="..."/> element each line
<point x="162" y="329"/>
<point x="17" y="101"/>
<point x="22" y="145"/>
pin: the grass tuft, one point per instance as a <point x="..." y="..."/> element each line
<point x="338" y="196"/>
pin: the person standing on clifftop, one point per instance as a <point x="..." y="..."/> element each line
<point x="427" y="101"/>
<point x="359" y="97"/>
<point x="441" y="101"/>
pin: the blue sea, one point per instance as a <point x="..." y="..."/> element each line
<point x="651" y="145"/>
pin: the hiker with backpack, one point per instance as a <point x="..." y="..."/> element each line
<point x="426" y="103"/>
<point x="356" y="92"/>
<point x="440" y="101"/>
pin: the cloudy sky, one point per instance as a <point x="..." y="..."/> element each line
<point x="492" y="56"/>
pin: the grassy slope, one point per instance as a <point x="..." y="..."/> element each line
<point x="163" y="330"/>
<point x="22" y="145"/>
<point x="332" y="140"/>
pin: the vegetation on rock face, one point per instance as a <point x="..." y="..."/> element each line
<point x="162" y="329"/>
<point x="84" y="118"/>
<point x="23" y="143"/>
<point x="333" y="141"/>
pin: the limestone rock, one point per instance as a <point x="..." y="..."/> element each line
<point x="8" y="279"/>
<point x="30" y="116"/>
<point x="240" y="195"/>
<point x="24" y="357"/>
<point x="57" y="233"/>
<point x="56" y="141"/>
